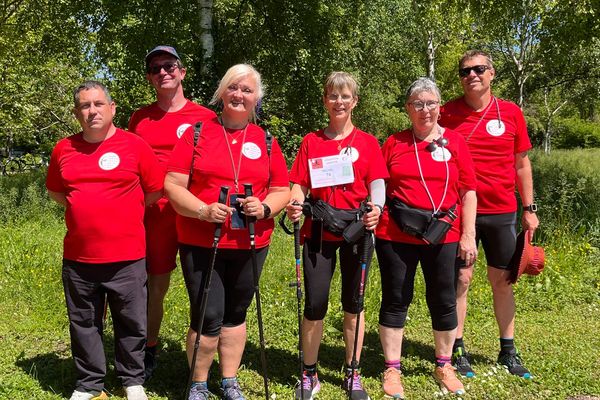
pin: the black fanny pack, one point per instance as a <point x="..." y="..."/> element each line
<point x="340" y="222"/>
<point x="421" y="223"/>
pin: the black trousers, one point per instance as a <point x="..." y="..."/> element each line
<point x="123" y="285"/>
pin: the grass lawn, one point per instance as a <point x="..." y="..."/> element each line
<point x="557" y="329"/>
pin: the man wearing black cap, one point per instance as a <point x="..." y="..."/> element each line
<point x="161" y="124"/>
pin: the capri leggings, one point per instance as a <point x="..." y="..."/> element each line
<point x="231" y="285"/>
<point x="319" y="269"/>
<point x="398" y="265"/>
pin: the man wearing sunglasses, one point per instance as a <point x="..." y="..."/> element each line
<point x="496" y="134"/>
<point x="161" y="124"/>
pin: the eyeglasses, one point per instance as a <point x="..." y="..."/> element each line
<point x="478" y="69"/>
<point x="420" y="106"/>
<point x="169" y="68"/>
<point x="346" y="98"/>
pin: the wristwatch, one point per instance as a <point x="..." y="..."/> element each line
<point x="531" y="208"/>
<point x="266" y="211"/>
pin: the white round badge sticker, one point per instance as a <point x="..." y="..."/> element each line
<point x="495" y="127"/>
<point x="182" y="129"/>
<point x="251" y="150"/>
<point x="350" y="151"/>
<point x="441" y="154"/>
<point x="109" y="161"/>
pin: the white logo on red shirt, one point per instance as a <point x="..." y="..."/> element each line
<point x="441" y="154"/>
<point x="352" y="151"/>
<point x="251" y="150"/>
<point x="182" y="129"/>
<point x="109" y="161"/>
<point x="495" y="127"/>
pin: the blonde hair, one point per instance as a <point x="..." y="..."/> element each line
<point x="338" y="80"/>
<point x="233" y="74"/>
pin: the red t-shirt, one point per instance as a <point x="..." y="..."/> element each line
<point x="104" y="184"/>
<point x="493" y="146"/>
<point x="406" y="185"/>
<point x="213" y="168"/>
<point x="161" y="129"/>
<point x="368" y="165"/>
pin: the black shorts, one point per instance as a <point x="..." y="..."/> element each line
<point x="498" y="236"/>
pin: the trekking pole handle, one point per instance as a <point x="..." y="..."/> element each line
<point x="222" y="200"/>
<point x="248" y="193"/>
<point x="296" y="236"/>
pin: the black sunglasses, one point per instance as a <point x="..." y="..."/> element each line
<point x="439" y="142"/>
<point x="169" y="67"/>
<point x="478" y="69"/>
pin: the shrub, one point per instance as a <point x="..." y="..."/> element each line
<point x="567" y="189"/>
<point x="24" y="196"/>
<point x="570" y="133"/>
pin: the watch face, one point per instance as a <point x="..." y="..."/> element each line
<point x="267" y="211"/>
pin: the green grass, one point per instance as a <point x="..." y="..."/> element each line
<point x="558" y="316"/>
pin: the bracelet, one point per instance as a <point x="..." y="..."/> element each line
<point x="202" y="207"/>
<point x="380" y="208"/>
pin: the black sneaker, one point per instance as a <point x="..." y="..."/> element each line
<point x="354" y="387"/>
<point x="150" y="362"/>
<point x="309" y="387"/>
<point x="462" y="363"/>
<point x="514" y="364"/>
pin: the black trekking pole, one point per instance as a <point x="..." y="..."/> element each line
<point x="261" y="335"/>
<point x="298" y="285"/>
<point x="361" y="299"/>
<point x="205" y="289"/>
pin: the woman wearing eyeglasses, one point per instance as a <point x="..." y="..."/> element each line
<point x="429" y="219"/>
<point x="340" y="166"/>
<point x="230" y="151"/>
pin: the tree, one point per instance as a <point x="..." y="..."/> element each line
<point x="39" y="66"/>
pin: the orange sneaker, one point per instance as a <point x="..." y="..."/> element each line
<point x="392" y="384"/>
<point x="446" y="378"/>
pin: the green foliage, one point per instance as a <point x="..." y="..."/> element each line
<point x="567" y="189"/>
<point x="48" y="47"/>
<point x="575" y="133"/>
<point x="24" y="197"/>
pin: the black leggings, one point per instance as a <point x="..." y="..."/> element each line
<point x="318" y="271"/>
<point x="398" y="265"/>
<point x="231" y="285"/>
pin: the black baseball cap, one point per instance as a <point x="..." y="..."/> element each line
<point x="161" y="49"/>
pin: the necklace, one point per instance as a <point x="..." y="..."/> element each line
<point x="236" y="171"/>
<point x="435" y="209"/>
<point x="495" y="101"/>
<point x="341" y="141"/>
<point x="234" y="137"/>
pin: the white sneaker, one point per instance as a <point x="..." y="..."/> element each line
<point x="88" y="395"/>
<point x="135" y="393"/>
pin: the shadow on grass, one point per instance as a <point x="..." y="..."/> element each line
<point x="56" y="373"/>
